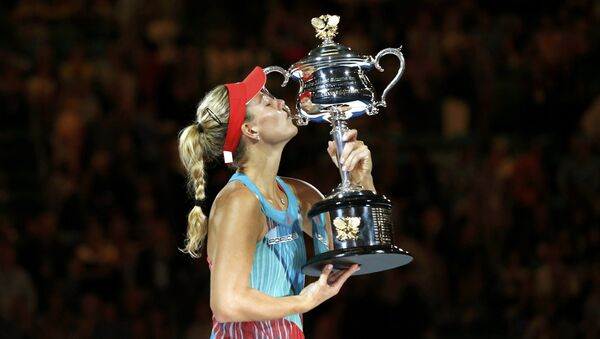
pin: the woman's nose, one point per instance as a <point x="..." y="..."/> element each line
<point x="280" y="104"/>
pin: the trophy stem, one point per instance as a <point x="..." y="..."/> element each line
<point x="340" y="127"/>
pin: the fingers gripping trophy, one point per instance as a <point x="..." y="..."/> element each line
<point x="352" y="224"/>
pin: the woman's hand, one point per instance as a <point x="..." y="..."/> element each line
<point x="355" y="158"/>
<point x="327" y="286"/>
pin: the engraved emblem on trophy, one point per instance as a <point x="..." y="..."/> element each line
<point x="350" y="225"/>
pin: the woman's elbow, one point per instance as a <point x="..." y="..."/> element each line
<point x="225" y="311"/>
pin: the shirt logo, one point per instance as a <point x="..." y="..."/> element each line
<point x="282" y="239"/>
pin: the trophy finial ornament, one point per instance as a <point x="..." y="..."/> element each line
<point x="326" y="26"/>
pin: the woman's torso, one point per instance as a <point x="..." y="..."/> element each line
<point x="276" y="268"/>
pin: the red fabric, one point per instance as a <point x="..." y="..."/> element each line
<point x="276" y="329"/>
<point x="240" y="93"/>
<point x="272" y="329"/>
<point x="304" y="95"/>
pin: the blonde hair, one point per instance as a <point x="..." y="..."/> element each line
<point x="199" y="144"/>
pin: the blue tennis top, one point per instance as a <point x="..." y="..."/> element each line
<point x="276" y="269"/>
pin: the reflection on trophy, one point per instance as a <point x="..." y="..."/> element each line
<point x="306" y="104"/>
<point x="351" y="225"/>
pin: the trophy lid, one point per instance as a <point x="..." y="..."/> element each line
<point x="328" y="53"/>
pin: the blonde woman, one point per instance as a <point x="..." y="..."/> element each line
<point x="255" y="246"/>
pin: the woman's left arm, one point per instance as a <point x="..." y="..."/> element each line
<point x="357" y="159"/>
<point x="307" y="195"/>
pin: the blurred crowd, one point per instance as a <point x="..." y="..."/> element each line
<point x="488" y="149"/>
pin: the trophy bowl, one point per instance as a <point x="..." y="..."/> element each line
<point x="332" y="78"/>
<point x="351" y="225"/>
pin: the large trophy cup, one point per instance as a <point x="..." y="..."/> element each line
<point x="351" y="225"/>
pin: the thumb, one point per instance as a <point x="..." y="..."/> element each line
<point x="325" y="274"/>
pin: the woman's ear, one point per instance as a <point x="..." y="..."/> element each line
<point x="250" y="131"/>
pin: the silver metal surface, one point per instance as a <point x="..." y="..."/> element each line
<point x="334" y="75"/>
<point x="351" y="224"/>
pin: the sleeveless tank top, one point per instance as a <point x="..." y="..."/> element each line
<point x="276" y="269"/>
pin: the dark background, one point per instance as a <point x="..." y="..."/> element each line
<point x="488" y="148"/>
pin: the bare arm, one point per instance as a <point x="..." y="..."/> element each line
<point x="356" y="158"/>
<point x="236" y="224"/>
<point x="308" y="195"/>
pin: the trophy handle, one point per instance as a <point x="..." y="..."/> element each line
<point x="398" y="54"/>
<point x="277" y="69"/>
<point x="300" y="119"/>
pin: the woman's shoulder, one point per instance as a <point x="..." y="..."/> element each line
<point x="304" y="191"/>
<point x="235" y="214"/>
<point x="235" y="194"/>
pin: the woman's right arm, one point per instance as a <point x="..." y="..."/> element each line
<point x="236" y="224"/>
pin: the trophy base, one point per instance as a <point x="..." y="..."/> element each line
<point x="370" y="258"/>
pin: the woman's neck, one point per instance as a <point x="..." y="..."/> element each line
<point x="262" y="170"/>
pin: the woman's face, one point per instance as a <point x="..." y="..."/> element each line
<point x="271" y="118"/>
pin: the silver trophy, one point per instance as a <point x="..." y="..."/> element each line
<point x="351" y="225"/>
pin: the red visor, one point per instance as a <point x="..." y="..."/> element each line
<point x="240" y="94"/>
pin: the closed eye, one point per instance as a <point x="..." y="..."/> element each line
<point x="268" y="100"/>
